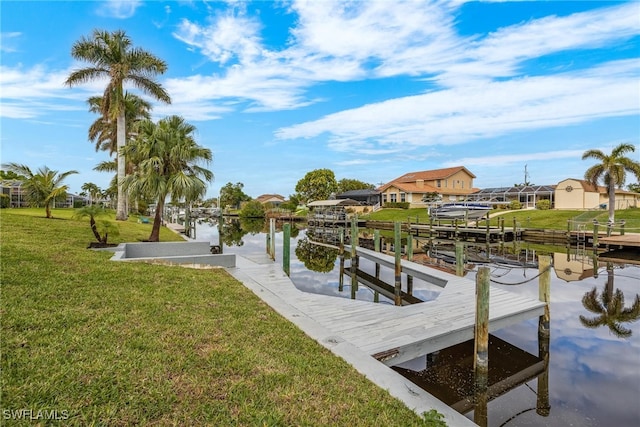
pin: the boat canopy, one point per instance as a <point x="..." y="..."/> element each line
<point x="333" y="202"/>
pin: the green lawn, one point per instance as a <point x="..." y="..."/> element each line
<point x="530" y="218"/>
<point x="119" y="344"/>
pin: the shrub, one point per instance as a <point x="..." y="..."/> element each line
<point x="543" y="205"/>
<point x="515" y="205"/>
<point x="400" y="205"/>
<point x="252" y="209"/>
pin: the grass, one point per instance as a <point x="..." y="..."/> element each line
<point x="529" y="218"/>
<point x="118" y="344"/>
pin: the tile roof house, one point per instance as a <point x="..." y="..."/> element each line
<point x="452" y="184"/>
<point x="272" y="199"/>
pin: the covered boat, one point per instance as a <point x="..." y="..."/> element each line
<point x="459" y="210"/>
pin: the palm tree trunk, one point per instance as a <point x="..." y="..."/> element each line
<point x="121" y="212"/>
<point x="612" y="202"/>
<point x="157" y="220"/>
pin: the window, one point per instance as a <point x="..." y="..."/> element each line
<point x="439" y="183"/>
<point x="384" y="198"/>
<point x="393" y="197"/>
<point x="403" y="197"/>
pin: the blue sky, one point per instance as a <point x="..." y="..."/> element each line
<point x="368" y="89"/>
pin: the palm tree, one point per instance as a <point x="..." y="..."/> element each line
<point x="104" y="133"/>
<point x="43" y="187"/>
<point x="92" y="190"/>
<point x="113" y="57"/>
<point x="100" y="228"/>
<point x="612" y="169"/>
<point x="610" y="308"/>
<point x="166" y="158"/>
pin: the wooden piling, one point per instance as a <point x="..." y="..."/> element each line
<point x="398" y="267"/>
<point x="459" y="259"/>
<point x="376" y="247"/>
<point x="481" y="341"/>
<point x="544" y="288"/>
<point x="286" y="248"/>
<point x="410" y="258"/>
<point x="596" y="226"/>
<point x="272" y="239"/>
<point x="354" y="256"/>
<point x="341" y="252"/>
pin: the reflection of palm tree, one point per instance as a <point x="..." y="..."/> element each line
<point x="609" y="306"/>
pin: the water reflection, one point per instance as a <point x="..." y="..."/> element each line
<point x="609" y="306"/>
<point x="583" y="376"/>
<point x="315" y="257"/>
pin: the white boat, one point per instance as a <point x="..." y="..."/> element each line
<point x="460" y="210"/>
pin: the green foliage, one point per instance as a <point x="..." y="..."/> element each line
<point x="431" y="197"/>
<point x="317" y="185"/>
<point x="543" y="205"/>
<point x="231" y="196"/>
<point x="101" y="228"/>
<point x="252" y="209"/>
<point x="397" y="205"/>
<point x="515" y="205"/>
<point x="10" y="175"/>
<point x="43" y="187"/>
<point x="127" y="343"/>
<point x="316" y="257"/>
<point x="346" y="184"/>
<point x="434" y="418"/>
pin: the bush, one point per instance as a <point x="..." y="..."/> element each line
<point x="252" y="209"/>
<point x="515" y="205"/>
<point x="543" y="205"/>
<point x="400" y="205"/>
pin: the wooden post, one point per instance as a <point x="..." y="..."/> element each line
<point x="272" y="240"/>
<point x="220" y="219"/>
<point x="341" y="252"/>
<point x="376" y="247"/>
<point x="596" y="226"/>
<point x="409" y="258"/>
<point x="622" y="222"/>
<point x="354" y="257"/>
<point x="544" y="288"/>
<point x="398" y="267"/>
<point x="459" y="259"/>
<point x="542" y="403"/>
<point x="286" y="249"/>
<point x="481" y="346"/>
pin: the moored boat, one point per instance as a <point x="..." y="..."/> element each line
<point x="460" y="210"/>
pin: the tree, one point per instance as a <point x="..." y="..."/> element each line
<point x="101" y="228"/>
<point x="232" y="195"/>
<point x="9" y="175"/>
<point x="103" y="131"/>
<point x="113" y="57"/>
<point x="92" y="190"/>
<point x="166" y="158"/>
<point x="317" y="185"/>
<point x="43" y="187"/>
<point x="346" y="184"/>
<point x="612" y="169"/>
<point x="252" y="209"/>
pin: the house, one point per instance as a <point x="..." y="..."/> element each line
<point x="580" y="194"/>
<point x="272" y="200"/>
<point x="451" y="184"/>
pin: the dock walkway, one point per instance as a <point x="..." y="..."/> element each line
<point x="356" y="330"/>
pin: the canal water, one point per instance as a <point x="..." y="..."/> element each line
<point x="588" y="375"/>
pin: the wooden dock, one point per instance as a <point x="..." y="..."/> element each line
<point x="396" y="334"/>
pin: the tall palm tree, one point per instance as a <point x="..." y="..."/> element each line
<point x="104" y="133"/>
<point x="43" y="187"/>
<point x="166" y="158"/>
<point x="612" y="169"/>
<point x="113" y="57"/>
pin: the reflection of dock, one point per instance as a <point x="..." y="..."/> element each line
<point x="449" y="374"/>
<point x="465" y="233"/>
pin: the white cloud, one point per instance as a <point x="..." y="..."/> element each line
<point x="482" y="110"/>
<point x="121" y="9"/>
<point x="7" y="40"/>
